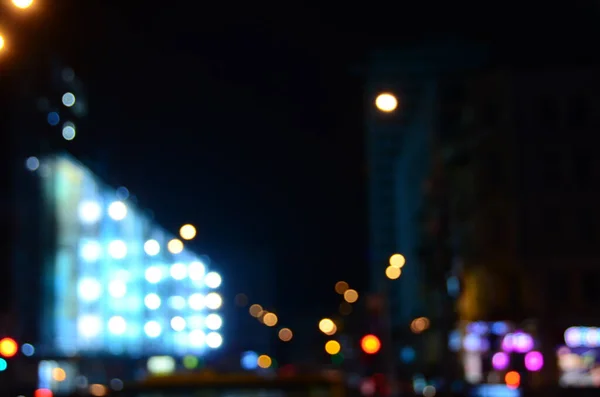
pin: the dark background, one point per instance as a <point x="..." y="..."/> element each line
<point x="246" y="119"/>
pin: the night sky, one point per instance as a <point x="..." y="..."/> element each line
<point x="248" y="122"/>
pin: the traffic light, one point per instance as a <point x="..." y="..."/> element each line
<point x="370" y="344"/>
<point x="8" y="347"/>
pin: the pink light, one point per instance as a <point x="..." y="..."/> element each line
<point x="519" y="342"/>
<point x="534" y="361"/>
<point x="500" y="361"/>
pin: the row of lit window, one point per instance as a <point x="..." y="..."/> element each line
<point x="90" y="327"/>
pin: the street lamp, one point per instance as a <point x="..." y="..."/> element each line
<point x="22" y="4"/>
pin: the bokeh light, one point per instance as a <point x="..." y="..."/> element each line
<point x="419" y="325"/>
<point x="333" y="347"/>
<point x="59" y="374"/>
<point x="264" y="361"/>
<point x="285" y="334"/>
<point x="345" y="308"/>
<point x="8" y="347"/>
<point x="175" y="246"/>
<point x="255" y="310"/>
<point x="392" y="272"/>
<point x="512" y="379"/>
<point x="187" y="232"/>
<point x="534" y="361"/>
<point x="350" y="296"/>
<point x="341" y="287"/>
<point x="397" y="260"/>
<point x="386" y="102"/>
<point x="370" y="344"/>
<point x="270" y="319"/>
<point x="22" y="4"/>
<point x="326" y="325"/>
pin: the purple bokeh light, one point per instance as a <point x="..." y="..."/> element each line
<point x="500" y="361"/>
<point x="534" y="361"/>
<point x="519" y="342"/>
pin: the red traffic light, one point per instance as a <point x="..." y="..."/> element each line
<point x="370" y="344"/>
<point x="8" y="347"/>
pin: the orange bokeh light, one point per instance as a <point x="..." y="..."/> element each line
<point x="8" y="347"/>
<point x="512" y="379"/>
<point x="370" y="344"/>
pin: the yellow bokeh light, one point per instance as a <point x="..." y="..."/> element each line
<point x="187" y="232"/>
<point x="350" y="296"/>
<point x="386" y="102"/>
<point x="341" y="287"/>
<point x="270" y="319"/>
<point x="397" y="260"/>
<point x="59" y="374"/>
<point x="285" y="334"/>
<point x="175" y="246"/>
<point x="22" y="4"/>
<point x="392" y="272"/>
<point x="255" y="310"/>
<point x="326" y="325"/>
<point x="264" y="361"/>
<point x="1" y="42"/>
<point x="332" y="331"/>
<point x="333" y="347"/>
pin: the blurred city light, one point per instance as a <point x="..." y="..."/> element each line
<point x="187" y="232"/>
<point x="386" y="102"/>
<point x="397" y="260"/>
<point x="22" y="4"/>
<point x="326" y="325"/>
<point x="175" y="246"/>
<point x="152" y="247"/>
<point x="512" y="379"/>
<point x="1" y="42"/>
<point x="42" y="393"/>
<point x="117" y="210"/>
<point x="249" y="360"/>
<point x="27" y="350"/>
<point x="345" y="308"/>
<point x="59" y="374"/>
<point x="285" y="334"/>
<point x="333" y="347"/>
<point x="213" y="301"/>
<point x="255" y="310"/>
<point x="53" y="118"/>
<point x="212" y="280"/>
<point x="392" y="272"/>
<point x="8" y="347"/>
<point x="68" y="131"/>
<point x="370" y="344"/>
<point x="350" y="296"/>
<point x="419" y="325"/>
<point x="341" y="287"/>
<point x="3" y="365"/>
<point x="264" y="361"/>
<point x="68" y="99"/>
<point x="270" y="319"/>
<point x="32" y="163"/>
<point x="534" y="361"/>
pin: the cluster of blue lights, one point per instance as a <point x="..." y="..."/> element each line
<point x="133" y="293"/>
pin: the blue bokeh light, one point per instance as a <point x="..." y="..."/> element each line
<point x="249" y="360"/>
<point x="53" y="118"/>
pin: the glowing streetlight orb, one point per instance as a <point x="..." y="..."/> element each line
<point x="270" y="319"/>
<point x="392" y="272"/>
<point x="22" y="4"/>
<point x="326" y="325"/>
<point x="175" y="246"/>
<point x="397" y="260"/>
<point x="285" y="334"/>
<point x="333" y="347"/>
<point x="351" y="296"/>
<point x="187" y="232"/>
<point x="341" y="287"/>
<point x="386" y="102"/>
<point x="1" y="42"/>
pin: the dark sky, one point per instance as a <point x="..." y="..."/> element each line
<point x="247" y="121"/>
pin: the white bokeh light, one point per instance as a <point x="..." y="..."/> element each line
<point x="117" y="325"/>
<point x="89" y="212"/>
<point x="152" y="301"/>
<point x="68" y="99"/>
<point x="212" y="280"/>
<point x="177" y="302"/>
<point x="153" y="274"/>
<point x="90" y="251"/>
<point x="214" y="340"/>
<point x="151" y="247"/>
<point x="69" y="132"/>
<point x="196" y="271"/>
<point x="117" y="210"/>
<point x="213" y="301"/>
<point x="117" y="289"/>
<point x="117" y="249"/>
<point x="196" y="301"/>
<point x="195" y="322"/>
<point x="213" y="322"/>
<point x="178" y="271"/>
<point x="196" y="338"/>
<point x="152" y="329"/>
<point x="89" y="326"/>
<point x="89" y="289"/>
<point x="178" y="323"/>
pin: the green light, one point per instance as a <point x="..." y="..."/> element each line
<point x="190" y="362"/>
<point x="337" y="359"/>
<point x="3" y="365"/>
